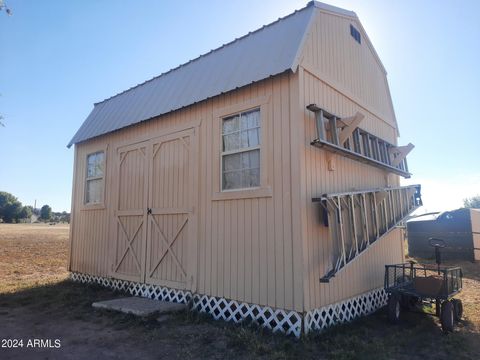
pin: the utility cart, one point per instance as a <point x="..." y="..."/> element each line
<point x="411" y="284"/>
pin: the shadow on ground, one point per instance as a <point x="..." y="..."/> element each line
<point x="63" y="311"/>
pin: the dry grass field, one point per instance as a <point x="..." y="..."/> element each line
<point x="32" y="254"/>
<point x="37" y="302"/>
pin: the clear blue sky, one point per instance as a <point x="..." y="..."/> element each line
<point x="59" y="57"/>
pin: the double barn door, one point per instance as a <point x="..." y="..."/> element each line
<point x="154" y="220"/>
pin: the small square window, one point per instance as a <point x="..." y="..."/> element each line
<point x="355" y="34"/>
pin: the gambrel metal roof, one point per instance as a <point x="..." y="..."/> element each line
<point x="268" y="51"/>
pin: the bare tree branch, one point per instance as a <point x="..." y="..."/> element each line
<point x="3" y="6"/>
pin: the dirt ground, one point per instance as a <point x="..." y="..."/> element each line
<point x="37" y="302"/>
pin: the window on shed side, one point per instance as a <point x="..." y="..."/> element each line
<point x="241" y="150"/>
<point x="355" y="34"/>
<point x="94" y="180"/>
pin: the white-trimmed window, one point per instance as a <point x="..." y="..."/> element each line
<point x="240" y="156"/>
<point x="95" y="176"/>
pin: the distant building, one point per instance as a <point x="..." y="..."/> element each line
<point x="459" y="230"/>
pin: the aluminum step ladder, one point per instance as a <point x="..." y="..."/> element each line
<point x="357" y="219"/>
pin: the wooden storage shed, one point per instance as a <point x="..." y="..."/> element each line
<point x="260" y="180"/>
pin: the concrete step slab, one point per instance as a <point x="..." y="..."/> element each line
<point x="139" y="306"/>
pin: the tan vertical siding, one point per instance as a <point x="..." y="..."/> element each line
<point x="343" y="77"/>
<point x="367" y="271"/>
<point x="475" y="220"/>
<point x="352" y="68"/>
<point x="244" y="245"/>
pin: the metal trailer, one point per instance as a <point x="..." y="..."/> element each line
<point x="409" y="284"/>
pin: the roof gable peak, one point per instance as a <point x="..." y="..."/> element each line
<point x="332" y="9"/>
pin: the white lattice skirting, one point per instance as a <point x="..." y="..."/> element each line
<point x="289" y="322"/>
<point x="345" y="311"/>
<point x="277" y="320"/>
<point x="136" y="289"/>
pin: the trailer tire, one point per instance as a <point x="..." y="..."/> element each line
<point x="457" y="309"/>
<point x="447" y="316"/>
<point x="394" y="309"/>
<point x="408" y="302"/>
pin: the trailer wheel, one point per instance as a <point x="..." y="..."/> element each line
<point x="457" y="309"/>
<point x="408" y="302"/>
<point x="394" y="309"/>
<point x="447" y="316"/>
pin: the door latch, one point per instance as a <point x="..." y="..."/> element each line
<point x="149" y="211"/>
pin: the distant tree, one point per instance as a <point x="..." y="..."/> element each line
<point x="473" y="202"/>
<point x="60" y="217"/>
<point x="46" y="212"/>
<point x="65" y="217"/>
<point x="3" y="6"/>
<point x="26" y="212"/>
<point x="11" y="211"/>
<point x="5" y="198"/>
<point x="10" y="207"/>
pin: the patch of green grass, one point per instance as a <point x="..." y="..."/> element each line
<point x="191" y="317"/>
<point x="248" y="338"/>
<point x="417" y="336"/>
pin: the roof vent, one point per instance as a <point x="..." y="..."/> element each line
<point x="355" y="34"/>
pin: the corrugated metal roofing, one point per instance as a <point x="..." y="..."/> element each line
<point x="268" y="51"/>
